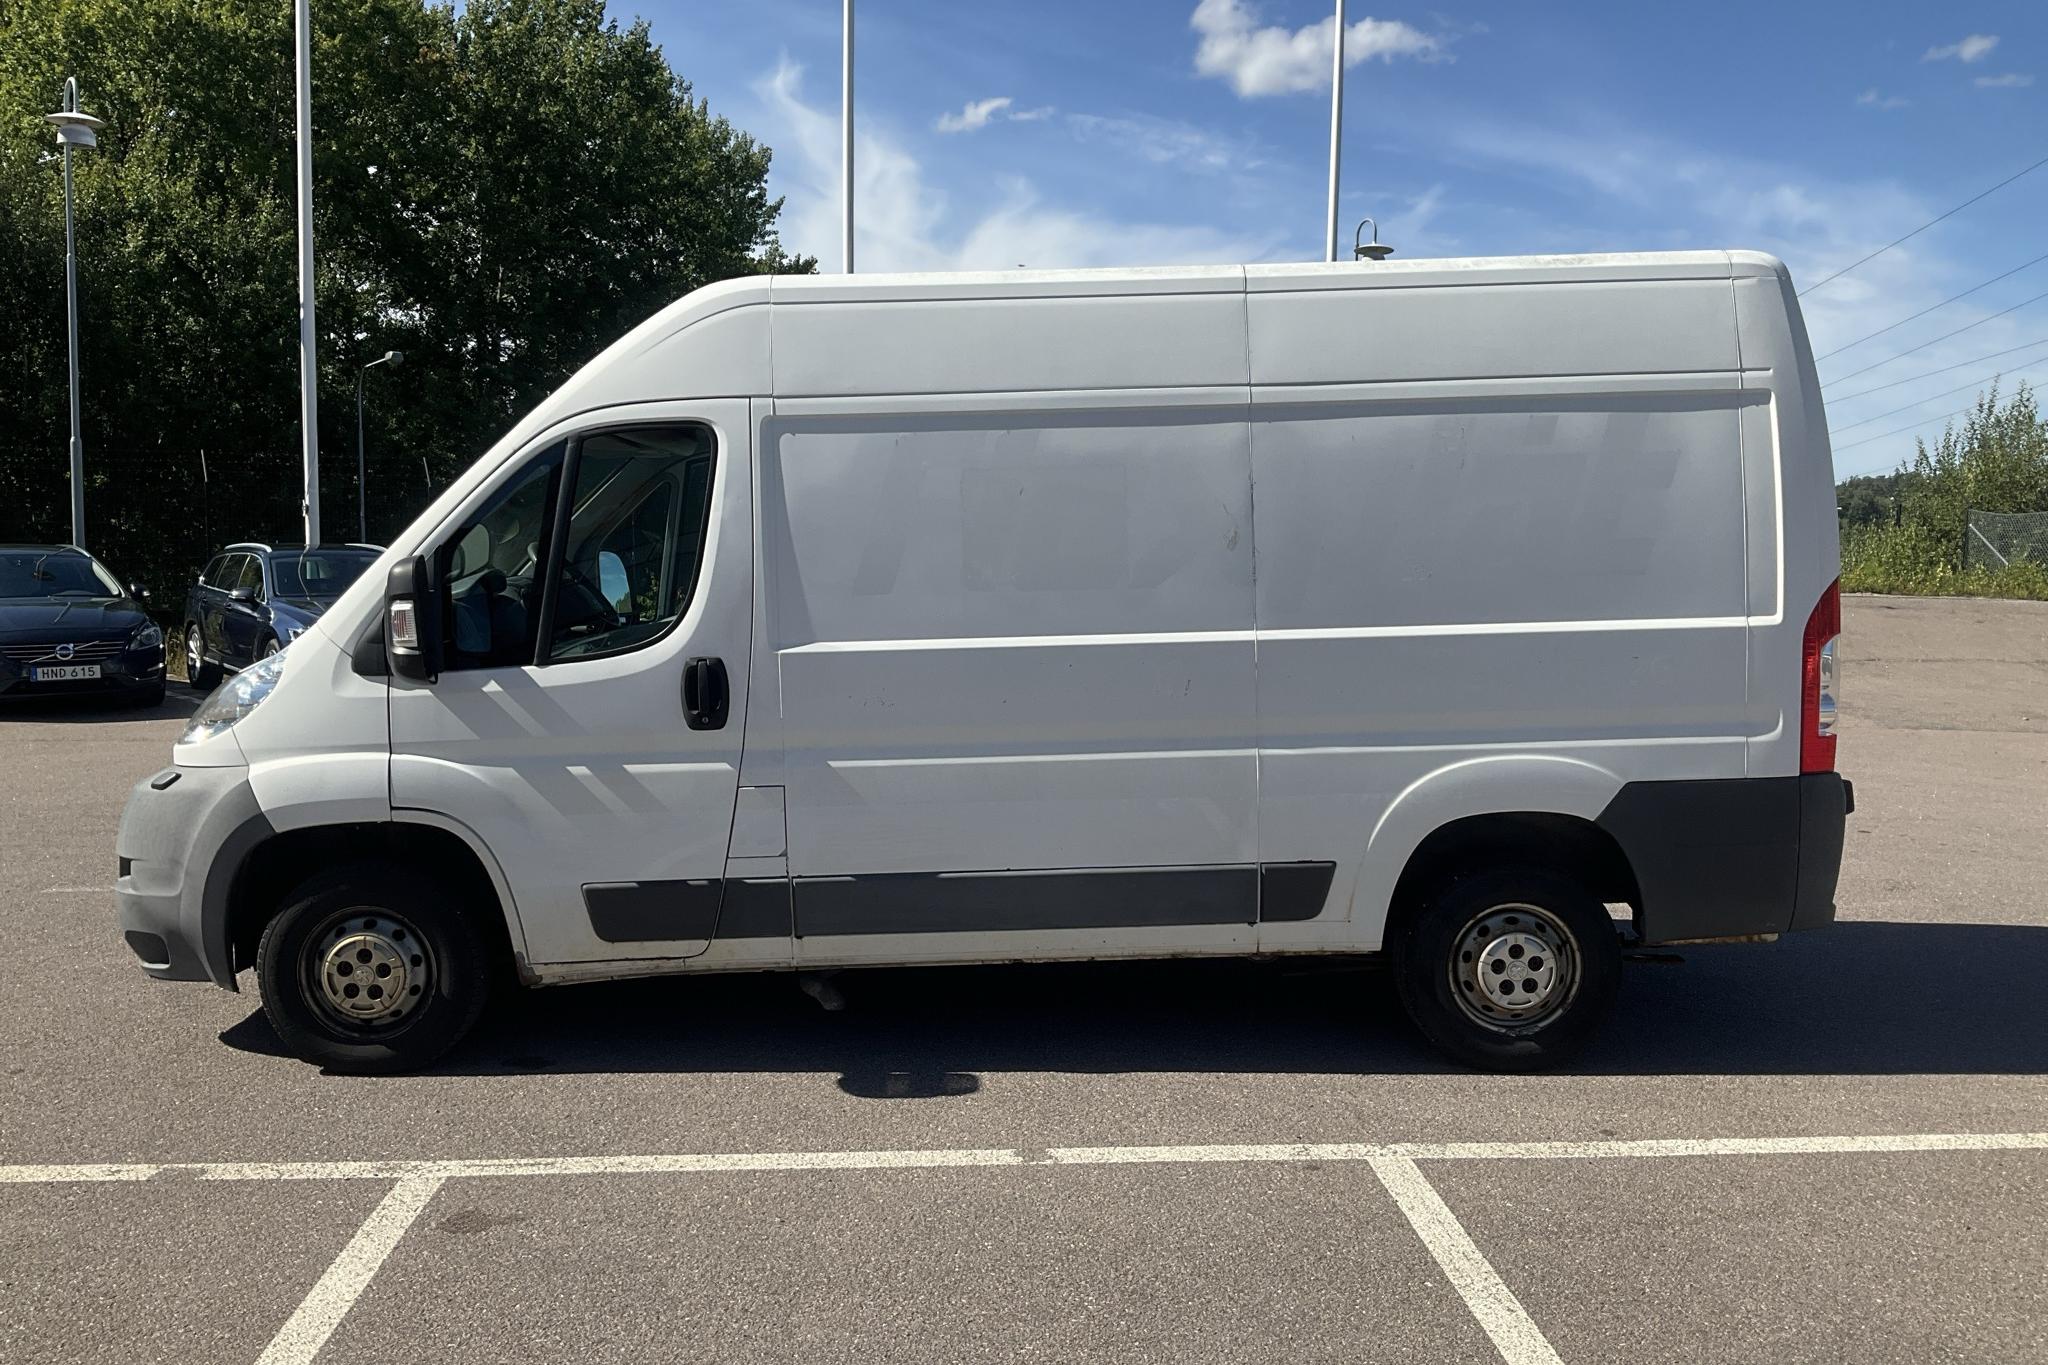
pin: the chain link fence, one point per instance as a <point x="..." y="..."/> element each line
<point x="1995" y="540"/>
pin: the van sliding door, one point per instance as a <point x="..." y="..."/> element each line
<point x="1014" y="655"/>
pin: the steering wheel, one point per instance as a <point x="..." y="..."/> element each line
<point x="597" y="607"/>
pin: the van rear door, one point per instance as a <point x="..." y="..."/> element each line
<point x="586" y="725"/>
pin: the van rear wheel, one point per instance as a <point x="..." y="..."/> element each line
<point x="370" y="970"/>
<point x="1510" y="970"/>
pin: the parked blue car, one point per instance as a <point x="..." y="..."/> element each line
<point x="253" y="599"/>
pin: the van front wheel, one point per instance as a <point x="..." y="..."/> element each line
<point x="1510" y="970"/>
<point x="371" y="971"/>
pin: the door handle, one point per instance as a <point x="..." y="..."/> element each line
<point x="706" y="696"/>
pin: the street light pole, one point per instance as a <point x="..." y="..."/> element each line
<point x="73" y="130"/>
<point x="846" y="136"/>
<point x="393" y="358"/>
<point x="1336" y="130"/>
<point x="309" y="361"/>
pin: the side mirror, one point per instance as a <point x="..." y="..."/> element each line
<point x="138" y="592"/>
<point x="412" y="620"/>
<point x="242" y="594"/>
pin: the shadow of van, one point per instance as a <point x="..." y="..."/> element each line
<point x="1857" y="998"/>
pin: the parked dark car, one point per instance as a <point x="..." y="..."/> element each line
<point x="253" y="599"/>
<point x="68" y="626"/>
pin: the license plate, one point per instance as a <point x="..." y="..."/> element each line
<point x="64" y="673"/>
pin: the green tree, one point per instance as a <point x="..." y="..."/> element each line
<point x="501" y="190"/>
<point x="1995" y="461"/>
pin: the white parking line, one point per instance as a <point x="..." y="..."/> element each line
<point x="307" y="1330"/>
<point x="1494" y="1306"/>
<point x="707" y="1163"/>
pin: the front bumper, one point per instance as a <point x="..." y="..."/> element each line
<point x="1736" y="858"/>
<point x="132" y="671"/>
<point x="185" y="833"/>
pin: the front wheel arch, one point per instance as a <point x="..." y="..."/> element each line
<point x="278" y="865"/>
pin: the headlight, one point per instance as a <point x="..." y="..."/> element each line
<point x="146" y="636"/>
<point x="235" y="698"/>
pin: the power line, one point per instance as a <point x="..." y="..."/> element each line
<point x="1929" y="374"/>
<point x="1924" y="226"/>
<point x="1938" y="340"/>
<point x="1925" y="311"/>
<point x="1911" y="426"/>
<point x="1943" y="394"/>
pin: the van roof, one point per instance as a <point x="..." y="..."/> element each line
<point x="1220" y="279"/>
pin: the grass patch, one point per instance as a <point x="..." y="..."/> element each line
<point x="1912" y="561"/>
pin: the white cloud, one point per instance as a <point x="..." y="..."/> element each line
<point x="1275" y="61"/>
<point x="2011" y="80"/>
<point x="1974" y="48"/>
<point x="1874" y="100"/>
<point x="906" y="223"/>
<point x="975" y="115"/>
<point x="1168" y="142"/>
<point x="979" y="113"/>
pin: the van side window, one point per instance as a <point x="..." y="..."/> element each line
<point x="490" y="571"/>
<point x="635" y="543"/>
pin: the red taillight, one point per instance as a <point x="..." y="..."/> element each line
<point x="1817" y="683"/>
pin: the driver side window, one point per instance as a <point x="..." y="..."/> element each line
<point x="490" y="571"/>
<point x="631" y="557"/>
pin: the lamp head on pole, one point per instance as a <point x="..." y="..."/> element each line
<point x="73" y="128"/>
<point x="1374" y="250"/>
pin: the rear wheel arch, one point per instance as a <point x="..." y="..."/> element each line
<point x="1568" y="845"/>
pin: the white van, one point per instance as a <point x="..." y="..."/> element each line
<point x="1444" y="608"/>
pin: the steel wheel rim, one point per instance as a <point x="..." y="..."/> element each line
<point x="1514" y="967"/>
<point x="367" y="971"/>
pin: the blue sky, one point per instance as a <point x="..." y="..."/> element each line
<point x="1159" y="131"/>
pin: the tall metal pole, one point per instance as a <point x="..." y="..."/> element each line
<point x="74" y="129"/>
<point x="309" y="363"/>
<point x="362" y="484"/>
<point x="846" y="136"/>
<point x="71" y="322"/>
<point x="1336" y="129"/>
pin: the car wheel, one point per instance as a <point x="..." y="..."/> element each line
<point x="270" y="647"/>
<point x="1510" y="970"/>
<point x="372" y="970"/>
<point x="150" y="697"/>
<point x="200" y="675"/>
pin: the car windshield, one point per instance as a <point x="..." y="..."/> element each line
<point x="46" y="573"/>
<point x="317" y="573"/>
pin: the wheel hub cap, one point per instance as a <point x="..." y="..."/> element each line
<point x="1515" y="966"/>
<point x="372" y="969"/>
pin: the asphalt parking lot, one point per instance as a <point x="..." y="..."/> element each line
<point x="1830" y="1148"/>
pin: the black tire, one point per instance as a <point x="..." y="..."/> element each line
<point x="150" y="697"/>
<point x="1452" y="943"/>
<point x="269" y="647"/>
<point x="206" y="676"/>
<point x="384" y="907"/>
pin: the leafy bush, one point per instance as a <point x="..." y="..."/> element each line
<point x="1910" y="560"/>
<point x="1997" y="461"/>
